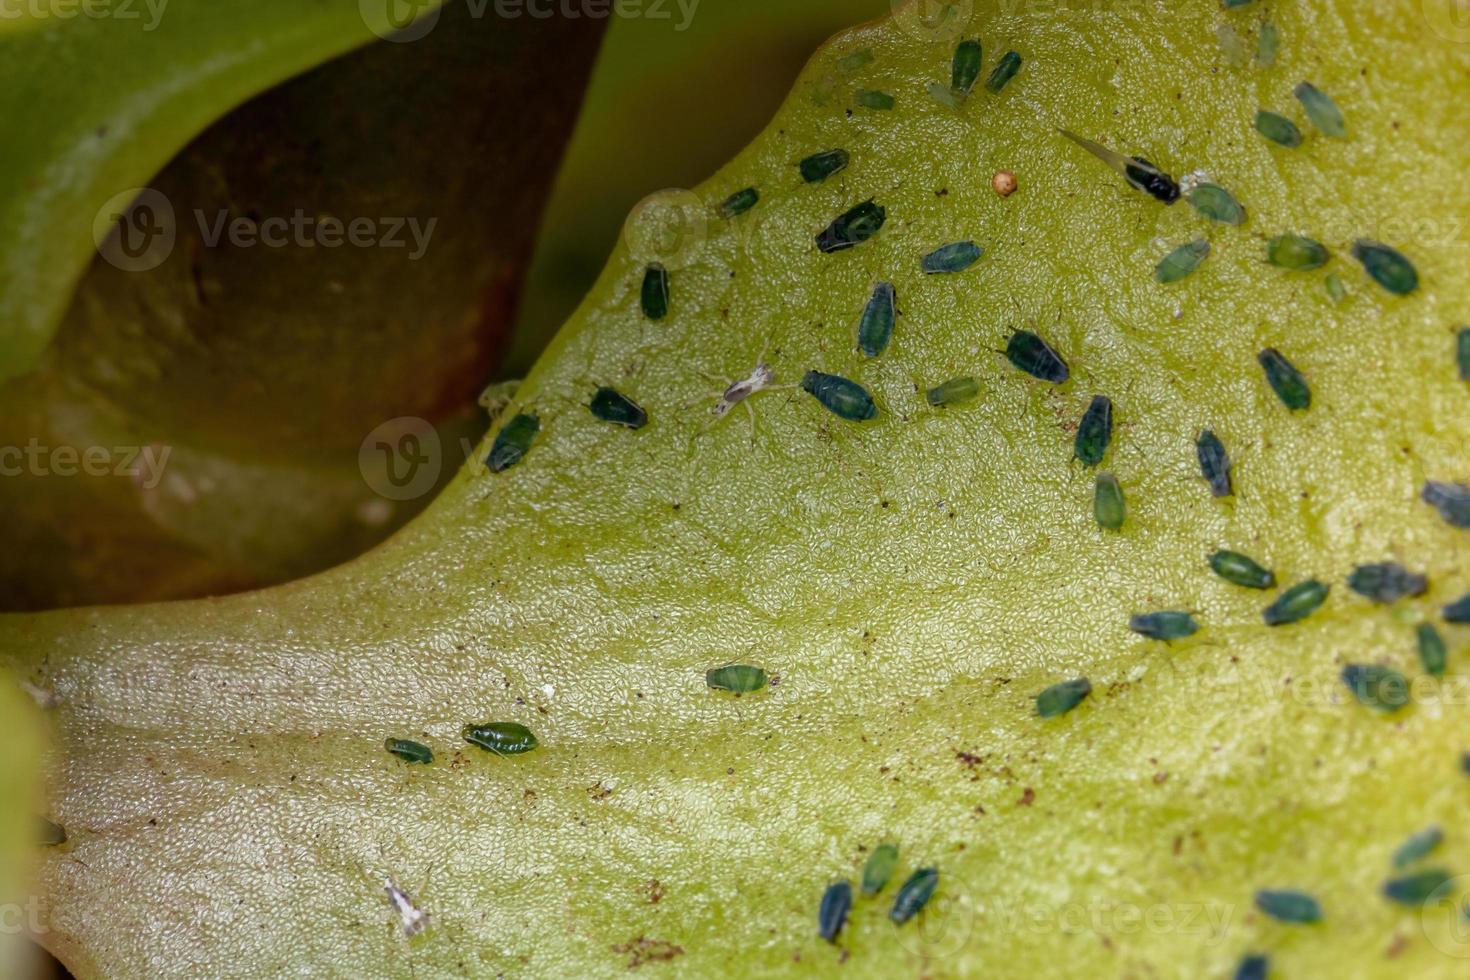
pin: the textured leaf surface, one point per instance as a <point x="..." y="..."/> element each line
<point x="910" y="583"/>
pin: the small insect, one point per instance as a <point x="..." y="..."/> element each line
<point x="1234" y="567"/>
<point x="1253" y="966"/>
<point x="512" y="442"/>
<point x="1285" y="905"/>
<point x="1296" y="603"/>
<point x="1462" y="353"/>
<point x="1214" y="463"/>
<point x="49" y="834"/>
<point x="1029" y="353"/>
<point x="1062" y="697"/>
<point x="1278" y="129"/>
<point x="1109" y="508"/>
<point x="1267" y="44"/>
<point x="954" y="257"/>
<point x="1458" y="611"/>
<point x="1181" y="261"/>
<point x="879" y="868"/>
<point x="819" y="166"/>
<point x="1236" y="53"/>
<point x="953" y="391"/>
<point x="739" y="202"/>
<point x="965" y="67"/>
<point x="501" y="737"/>
<point x="1336" y="290"/>
<point x="1168" y="625"/>
<point x="832" y="914"/>
<point x="1452" y="500"/>
<point x="860" y="58"/>
<point x="1003" y="183"/>
<point x="1432" y="653"/>
<point x="872" y="99"/>
<point x="613" y="406"/>
<point x="1320" y="108"/>
<point x="413" y="919"/>
<point x="1416" y="889"/>
<point x="1285" y="380"/>
<point x="409" y="750"/>
<point x="1380" y="688"/>
<point x="1296" y="252"/>
<point x="1387" y="266"/>
<point x="1005" y="69"/>
<point x="852" y="227"/>
<point x="1386" y="582"/>
<point x="843" y="398"/>
<point x="1139" y="173"/>
<point x="735" y="393"/>
<point x="1216" y="203"/>
<point x="1417" y="846"/>
<point x="654" y="296"/>
<point x="914" y="895"/>
<point x="735" y="678"/>
<point x="944" y="95"/>
<point x="875" y="327"/>
<point x="1095" y="431"/>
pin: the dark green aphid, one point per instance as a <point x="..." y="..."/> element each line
<point x="1254" y="966"/>
<point x="49" y="834"/>
<point x="843" y="398"/>
<point x="409" y="750"/>
<point x="965" y="68"/>
<point x="819" y="166"/>
<point x="914" y="895"/>
<point x="1062" y="698"/>
<point x="1109" y="508"/>
<point x="501" y="737"/>
<point x="1296" y="252"/>
<point x="1181" y="261"/>
<point x="1217" y="204"/>
<point x="1095" y="431"/>
<point x="1336" y="291"/>
<point x="1296" y="603"/>
<point x="1386" y="582"/>
<point x="1462" y="352"/>
<point x="852" y="227"/>
<point x="879" y="868"/>
<point x="1267" y="44"/>
<point x="954" y="257"/>
<point x="1214" y="463"/>
<point x="1458" y="611"/>
<point x="832" y="914"/>
<point x="1234" y="567"/>
<point x="1417" y="846"/>
<point x="1417" y="888"/>
<point x="613" y="406"/>
<point x="873" y="99"/>
<point x="1297" y="908"/>
<point x="875" y="328"/>
<point x="739" y="202"/>
<point x="1285" y="380"/>
<point x="1452" y="500"/>
<point x="1029" y="353"/>
<point x="1278" y="129"/>
<point x="512" y="442"/>
<point x="654" y="296"/>
<point x="1232" y="4"/>
<point x="1320" y="108"/>
<point x="736" y="678"/>
<point x="1005" y="69"/>
<point x="1168" y="625"/>
<point x="1432" y="652"/>
<point x="1387" y="266"/>
<point x="1379" y="687"/>
<point x="953" y="391"/>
